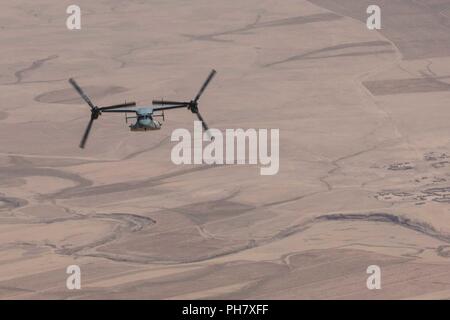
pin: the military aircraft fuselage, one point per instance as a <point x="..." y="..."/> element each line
<point x="145" y="121"/>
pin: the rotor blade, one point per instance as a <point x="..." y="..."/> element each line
<point x="211" y="75"/>
<point x="205" y="126"/>
<point x="116" y="106"/>
<point x="171" y="107"/>
<point x="199" y="116"/>
<point x="81" y="92"/>
<point x="163" y="102"/>
<point x="86" y="133"/>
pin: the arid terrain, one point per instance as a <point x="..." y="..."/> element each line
<point x="364" y="179"/>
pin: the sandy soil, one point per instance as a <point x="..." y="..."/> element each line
<point x="364" y="147"/>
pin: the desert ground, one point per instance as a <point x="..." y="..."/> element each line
<point x="364" y="150"/>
